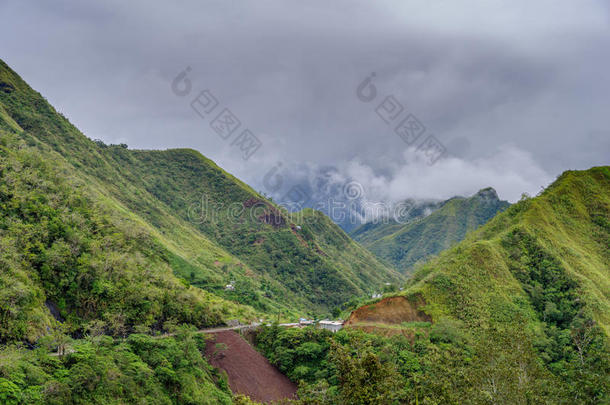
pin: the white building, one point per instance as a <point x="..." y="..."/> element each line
<point x="332" y="326"/>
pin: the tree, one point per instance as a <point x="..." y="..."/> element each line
<point x="583" y="333"/>
<point x="96" y="328"/>
<point x="9" y="392"/>
<point x="363" y="378"/>
<point x="58" y="338"/>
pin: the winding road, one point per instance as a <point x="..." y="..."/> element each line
<point x="217" y="329"/>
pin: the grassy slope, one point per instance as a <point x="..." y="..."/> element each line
<point x="324" y="235"/>
<point x="370" y="232"/>
<point x="541" y="270"/>
<point x="278" y="252"/>
<point x="405" y="245"/>
<point x="63" y="242"/>
<point x="67" y="243"/>
<point x="273" y="269"/>
<point x="568" y="223"/>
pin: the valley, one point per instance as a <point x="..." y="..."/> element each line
<point x="126" y="274"/>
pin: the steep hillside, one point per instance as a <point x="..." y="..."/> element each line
<point x="106" y="246"/>
<point x="210" y="228"/>
<point x="256" y="231"/>
<point x="529" y="294"/>
<point x="65" y="247"/>
<point x="72" y="263"/>
<point x="370" y="232"/>
<point x="427" y="233"/>
<point x="320" y="232"/>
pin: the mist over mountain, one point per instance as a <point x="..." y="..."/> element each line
<point x="431" y="228"/>
<point x="352" y="202"/>
<point x="353" y="194"/>
<point x="515" y="95"/>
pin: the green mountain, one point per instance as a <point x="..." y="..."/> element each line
<point x="370" y="232"/>
<point x="519" y="311"/>
<point x="427" y="234"/>
<point x="109" y="246"/>
<point x="138" y="238"/>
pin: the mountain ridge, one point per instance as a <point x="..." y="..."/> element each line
<point x="272" y="269"/>
<point x="540" y="270"/>
<point x="435" y="226"/>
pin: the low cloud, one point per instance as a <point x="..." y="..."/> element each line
<point x="355" y="192"/>
<point x="511" y="171"/>
<point x="529" y="75"/>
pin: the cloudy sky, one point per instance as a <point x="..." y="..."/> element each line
<point x="515" y="92"/>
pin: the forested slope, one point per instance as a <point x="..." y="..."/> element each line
<point x="102" y="247"/>
<point x="525" y="300"/>
<point x="210" y="228"/>
<point x="427" y="234"/>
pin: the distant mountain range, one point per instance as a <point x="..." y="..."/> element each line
<point x="430" y="228"/>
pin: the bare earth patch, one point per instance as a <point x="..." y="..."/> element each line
<point x="248" y="372"/>
<point x="391" y="310"/>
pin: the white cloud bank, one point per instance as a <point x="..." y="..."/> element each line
<point x="509" y="170"/>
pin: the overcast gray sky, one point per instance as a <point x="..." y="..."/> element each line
<point x="516" y="91"/>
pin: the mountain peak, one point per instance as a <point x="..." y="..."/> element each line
<point x="488" y="193"/>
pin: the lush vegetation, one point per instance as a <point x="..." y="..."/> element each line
<point x="213" y="228"/>
<point x="405" y="245"/>
<point x="429" y="365"/>
<point x="519" y="314"/>
<point x="63" y="249"/>
<point x="100" y="370"/>
<point x="108" y="246"/>
<point x="102" y="241"/>
<point x="293" y="264"/>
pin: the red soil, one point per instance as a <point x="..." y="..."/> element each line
<point x="248" y="372"/>
<point x="391" y="310"/>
